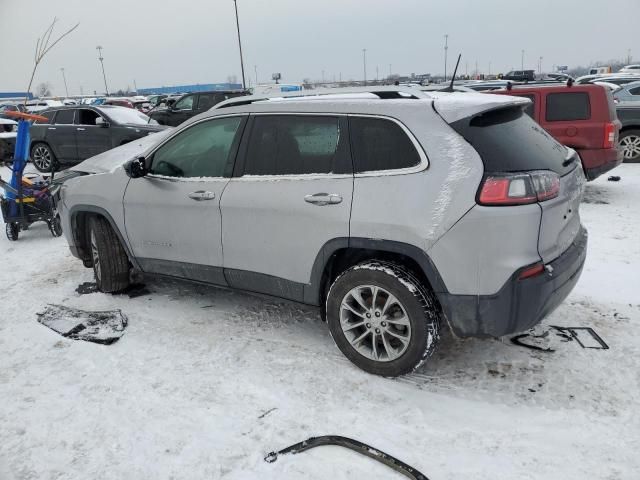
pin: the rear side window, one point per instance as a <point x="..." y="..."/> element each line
<point x="296" y="145"/>
<point x="206" y="101"/>
<point x="531" y="108"/>
<point x="568" y="106"/>
<point x="65" y="117"/>
<point x="380" y="144"/>
<point x="634" y="91"/>
<point x="509" y="141"/>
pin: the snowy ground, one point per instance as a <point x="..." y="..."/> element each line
<point x="185" y="393"/>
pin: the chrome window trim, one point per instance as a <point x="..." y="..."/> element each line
<point x="423" y="165"/>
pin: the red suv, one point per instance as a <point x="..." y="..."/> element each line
<point x="582" y="117"/>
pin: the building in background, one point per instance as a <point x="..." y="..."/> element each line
<point x="15" y="95"/>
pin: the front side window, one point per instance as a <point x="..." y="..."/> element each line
<point x="296" y="145"/>
<point x="49" y="116"/>
<point x="202" y="150"/>
<point x="185" y="103"/>
<point x="568" y="106"/>
<point x="87" y="117"/>
<point x="65" y="117"/>
<point x="380" y="144"/>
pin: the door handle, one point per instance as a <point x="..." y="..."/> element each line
<point x="51" y="128"/>
<point x="202" y="195"/>
<point x="322" y="199"/>
<point x="80" y="129"/>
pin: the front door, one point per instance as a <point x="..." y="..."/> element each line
<point x="91" y="138"/>
<point x="182" y="110"/>
<point x="290" y="195"/>
<point x="172" y="215"/>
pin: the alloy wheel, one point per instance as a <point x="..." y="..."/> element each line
<point x="42" y="158"/>
<point x="375" y="323"/>
<point x="630" y="146"/>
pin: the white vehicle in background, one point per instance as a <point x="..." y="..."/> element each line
<point x="600" y="70"/>
<point x="630" y="69"/>
<point x="275" y="88"/>
<point x="40" y="105"/>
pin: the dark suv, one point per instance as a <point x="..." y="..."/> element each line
<point x="520" y="75"/>
<point x="190" y="105"/>
<point x="76" y="133"/>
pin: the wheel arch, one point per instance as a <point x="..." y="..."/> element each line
<point x="79" y="217"/>
<point x="341" y="253"/>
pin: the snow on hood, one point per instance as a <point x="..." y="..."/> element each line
<point x="456" y="107"/>
<point x="111" y="159"/>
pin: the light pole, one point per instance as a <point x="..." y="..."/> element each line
<point x="255" y="69"/>
<point x="540" y="66"/>
<point x="235" y="3"/>
<point x="446" y="50"/>
<point x="522" y="61"/>
<point x="106" y="89"/>
<point x="364" y="62"/>
<point x="65" y="82"/>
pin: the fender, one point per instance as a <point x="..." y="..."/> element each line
<point x="312" y="290"/>
<point x="80" y="208"/>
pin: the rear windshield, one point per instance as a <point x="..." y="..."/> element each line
<point x="510" y="141"/>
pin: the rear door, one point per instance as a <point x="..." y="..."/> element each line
<point x="91" y="139"/>
<point x="290" y="195"/>
<point x="569" y="118"/>
<point x="172" y="215"/>
<point x="61" y="136"/>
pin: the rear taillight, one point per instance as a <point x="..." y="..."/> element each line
<point x="531" y="271"/>
<point x="610" y="133"/>
<point x="518" y="188"/>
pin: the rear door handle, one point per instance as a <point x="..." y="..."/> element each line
<point x="80" y="129"/>
<point x="51" y="128"/>
<point x="322" y="199"/>
<point x="202" y="195"/>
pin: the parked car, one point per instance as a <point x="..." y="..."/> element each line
<point x="630" y="69"/>
<point x="36" y="106"/>
<point x="482" y="86"/>
<point x="582" y="117"/>
<point x="316" y="200"/>
<point x="520" y="75"/>
<point x="190" y="105"/>
<point x="119" y="102"/>
<point x="629" y="92"/>
<point x="629" y="143"/>
<point x="8" y="134"/>
<point x="613" y="78"/>
<point x="11" y="107"/>
<point x="74" y="134"/>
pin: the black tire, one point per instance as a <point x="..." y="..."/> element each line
<point x="629" y="146"/>
<point x="13" y="231"/>
<point x="43" y="158"/>
<point x="55" y="226"/>
<point x="418" y="303"/>
<point x="109" y="260"/>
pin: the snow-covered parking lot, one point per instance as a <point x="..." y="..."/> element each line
<point x="205" y="382"/>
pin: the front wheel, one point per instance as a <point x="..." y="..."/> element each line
<point x="55" y="226"/>
<point x="13" y="231"/>
<point x="109" y="260"/>
<point x="629" y="145"/>
<point x="382" y="318"/>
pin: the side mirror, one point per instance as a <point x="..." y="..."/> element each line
<point x="137" y="167"/>
<point x="101" y="122"/>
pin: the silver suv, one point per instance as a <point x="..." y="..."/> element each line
<point x="392" y="210"/>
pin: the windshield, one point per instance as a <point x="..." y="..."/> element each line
<point x="128" y="116"/>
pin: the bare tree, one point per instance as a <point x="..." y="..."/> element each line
<point x="43" y="45"/>
<point x="43" y="89"/>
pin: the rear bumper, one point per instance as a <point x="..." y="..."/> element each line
<point x="520" y="304"/>
<point x="596" y="162"/>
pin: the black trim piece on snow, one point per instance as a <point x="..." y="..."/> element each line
<point x="351" y="444"/>
<point x="76" y="209"/>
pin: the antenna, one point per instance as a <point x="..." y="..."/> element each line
<point x="453" y="77"/>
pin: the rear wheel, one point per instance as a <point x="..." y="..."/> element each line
<point x="43" y="158"/>
<point x="629" y="145"/>
<point x="55" y="226"/>
<point x="382" y="318"/>
<point x="109" y="260"/>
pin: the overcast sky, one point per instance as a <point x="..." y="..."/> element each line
<point x="162" y="42"/>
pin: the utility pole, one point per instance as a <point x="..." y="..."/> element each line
<point x="390" y="70"/>
<point x="376" y="73"/>
<point x="540" y="66"/>
<point x="446" y="50"/>
<point x="489" y="68"/>
<point x="255" y="70"/>
<point x="235" y="3"/>
<point x="628" y="56"/>
<point x="106" y="89"/>
<point x="322" y="76"/>
<point x="522" y="61"/>
<point x="65" y="82"/>
<point x="135" y="85"/>
<point x="364" y="62"/>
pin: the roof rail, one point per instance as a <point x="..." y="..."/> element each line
<point x="382" y="92"/>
